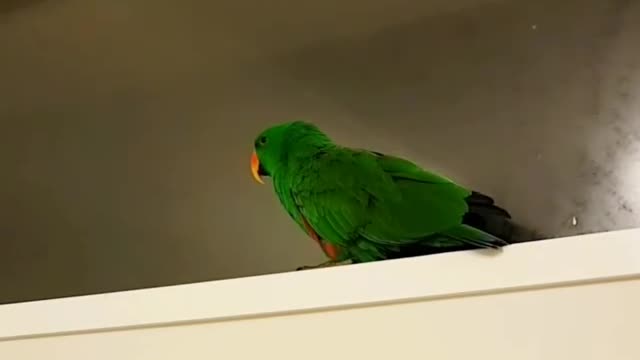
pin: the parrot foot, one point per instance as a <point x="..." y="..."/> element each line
<point x="323" y="265"/>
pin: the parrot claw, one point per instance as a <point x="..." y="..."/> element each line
<point x="305" y="267"/>
<point x="323" y="265"/>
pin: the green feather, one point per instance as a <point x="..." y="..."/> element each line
<point x="370" y="205"/>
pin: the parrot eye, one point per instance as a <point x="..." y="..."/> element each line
<point x="262" y="140"/>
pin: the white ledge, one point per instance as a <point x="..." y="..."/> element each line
<point x="586" y="258"/>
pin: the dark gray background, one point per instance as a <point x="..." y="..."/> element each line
<point x="126" y="126"/>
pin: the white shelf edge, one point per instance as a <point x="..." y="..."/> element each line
<point x="583" y="258"/>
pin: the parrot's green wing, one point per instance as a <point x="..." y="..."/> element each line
<point x="375" y="203"/>
<point x="448" y="196"/>
<point x="329" y="194"/>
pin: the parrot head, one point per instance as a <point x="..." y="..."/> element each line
<point x="273" y="146"/>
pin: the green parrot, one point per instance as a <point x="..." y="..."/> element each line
<point x="361" y="206"/>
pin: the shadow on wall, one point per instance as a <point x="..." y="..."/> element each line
<point x="508" y="99"/>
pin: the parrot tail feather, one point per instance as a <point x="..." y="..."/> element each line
<point x="485" y="215"/>
<point x="458" y="238"/>
<point x="474" y="237"/>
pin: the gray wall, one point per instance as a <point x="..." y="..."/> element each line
<point x="126" y="126"/>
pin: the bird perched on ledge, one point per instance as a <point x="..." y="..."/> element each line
<point x="362" y="206"/>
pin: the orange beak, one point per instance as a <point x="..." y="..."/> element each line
<point x="255" y="166"/>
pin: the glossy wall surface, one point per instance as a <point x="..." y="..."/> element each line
<point x="126" y="127"/>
